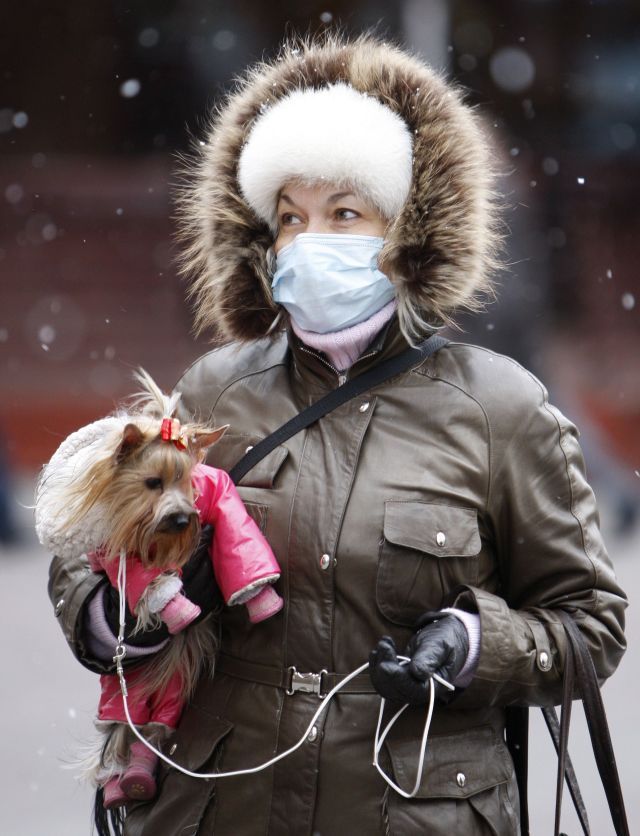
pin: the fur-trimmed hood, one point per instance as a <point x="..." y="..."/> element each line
<point x="439" y="251"/>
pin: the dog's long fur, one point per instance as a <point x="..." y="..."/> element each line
<point x="112" y="487"/>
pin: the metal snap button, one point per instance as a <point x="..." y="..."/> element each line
<point x="313" y="734"/>
<point x="325" y="561"/>
<point x="250" y="447"/>
<point x="441" y="538"/>
<point x="461" y="779"/>
<point x="364" y="406"/>
<point x="544" y="661"/>
<point x="59" y="607"/>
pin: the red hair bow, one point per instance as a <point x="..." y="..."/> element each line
<point x="170" y="430"/>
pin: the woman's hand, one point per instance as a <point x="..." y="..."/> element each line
<point x="440" y="647"/>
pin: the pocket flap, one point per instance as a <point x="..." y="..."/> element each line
<point x="456" y="765"/>
<point x="197" y="737"/>
<point x="440" y="530"/>
<point x="233" y="446"/>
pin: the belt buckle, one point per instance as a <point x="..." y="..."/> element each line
<point x="305" y="683"/>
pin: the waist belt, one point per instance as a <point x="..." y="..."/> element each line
<point x="292" y="681"/>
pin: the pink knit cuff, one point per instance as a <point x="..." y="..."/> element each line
<point x="471" y="622"/>
<point x="101" y="642"/>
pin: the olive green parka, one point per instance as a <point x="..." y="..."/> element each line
<point x="454" y="483"/>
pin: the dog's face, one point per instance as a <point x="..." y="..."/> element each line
<point x="151" y="499"/>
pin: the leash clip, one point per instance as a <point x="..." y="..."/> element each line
<point x="121" y="652"/>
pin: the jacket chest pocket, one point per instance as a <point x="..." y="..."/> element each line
<point x="427" y="549"/>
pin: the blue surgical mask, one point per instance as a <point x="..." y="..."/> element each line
<point x="330" y="282"/>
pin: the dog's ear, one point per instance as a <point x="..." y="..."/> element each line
<point x="202" y="439"/>
<point x="132" y="438"/>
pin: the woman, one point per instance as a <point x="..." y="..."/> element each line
<point x="342" y="208"/>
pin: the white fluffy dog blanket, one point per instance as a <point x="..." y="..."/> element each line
<point x="55" y="508"/>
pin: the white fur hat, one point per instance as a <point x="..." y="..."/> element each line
<point x="335" y="134"/>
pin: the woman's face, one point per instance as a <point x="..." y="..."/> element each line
<point x="323" y="209"/>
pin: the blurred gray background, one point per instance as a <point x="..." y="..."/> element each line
<point x="96" y="101"/>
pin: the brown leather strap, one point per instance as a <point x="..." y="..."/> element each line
<point x="282" y="677"/>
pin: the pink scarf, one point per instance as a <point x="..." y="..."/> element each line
<point x="344" y="347"/>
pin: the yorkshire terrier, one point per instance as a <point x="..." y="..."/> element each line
<point x="131" y="488"/>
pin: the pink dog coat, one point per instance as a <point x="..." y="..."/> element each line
<point x="243" y="564"/>
<point x="242" y="558"/>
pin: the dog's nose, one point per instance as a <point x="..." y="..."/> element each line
<point x="176" y="522"/>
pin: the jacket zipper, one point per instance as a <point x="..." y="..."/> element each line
<point x="342" y="376"/>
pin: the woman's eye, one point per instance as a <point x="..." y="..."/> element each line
<point x="289" y="219"/>
<point x="346" y="214"/>
<point x="153" y="483"/>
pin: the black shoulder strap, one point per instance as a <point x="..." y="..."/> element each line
<point x="556" y="732"/>
<point x="579" y="680"/>
<point x="335" y="398"/>
<point x="517" y="739"/>
<point x="585" y="681"/>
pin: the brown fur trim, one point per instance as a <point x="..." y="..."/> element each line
<point x="440" y="251"/>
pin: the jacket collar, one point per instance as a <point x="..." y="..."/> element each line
<point x="315" y="371"/>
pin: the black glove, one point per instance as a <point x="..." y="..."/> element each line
<point x="198" y="584"/>
<point x="441" y="646"/>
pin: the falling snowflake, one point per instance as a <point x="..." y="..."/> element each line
<point x="47" y="334"/>
<point x="130" y="88"/>
<point x="148" y="37"/>
<point x="49" y="232"/>
<point x="628" y="301"/>
<point x="14" y="193"/>
<point x="224" y="40"/>
<point x="512" y="69"/>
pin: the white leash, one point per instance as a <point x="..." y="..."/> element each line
<point x="121" y="652"/>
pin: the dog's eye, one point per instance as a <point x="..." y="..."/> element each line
<point x="153" y="483"/>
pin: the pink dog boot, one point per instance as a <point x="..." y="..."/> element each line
<point x="138" y="781"/>
<point x="179" y="613"/>
<point x="263" y="605"/>
<point x="114" y="795"/>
